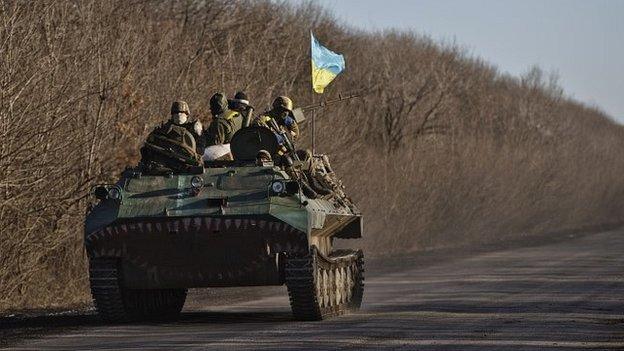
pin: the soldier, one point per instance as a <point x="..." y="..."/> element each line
<point x="173" y="145"/>
<point x="180" y="113"/>
<point x="240" y="104"/>
<point x="263" y="157"/>
<point x="221" y="128"/>
<point x="281" y="113"/>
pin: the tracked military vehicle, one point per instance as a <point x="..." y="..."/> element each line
<point x="245" y="222"/>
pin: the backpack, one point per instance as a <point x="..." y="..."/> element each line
<point x="172" y="146"/>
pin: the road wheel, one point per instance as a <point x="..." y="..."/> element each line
<point x="116" y="303"/>
<point x="323" y="286"/>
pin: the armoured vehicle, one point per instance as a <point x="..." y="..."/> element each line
<point x="246" y="222"/>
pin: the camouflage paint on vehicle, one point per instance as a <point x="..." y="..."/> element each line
<point x="231" y="231"/>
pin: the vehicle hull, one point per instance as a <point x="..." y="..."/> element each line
<point x="198" y="252"/>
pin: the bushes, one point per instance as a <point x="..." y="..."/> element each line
<point x="443" y="150"/>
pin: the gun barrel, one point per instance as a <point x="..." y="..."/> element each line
<point x="331" y="102"/>
<point x="247" y="116"/>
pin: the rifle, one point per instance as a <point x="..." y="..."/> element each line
<point x="290" y="147"/>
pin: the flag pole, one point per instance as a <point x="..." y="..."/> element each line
<point x="313" y="127"/>
<point x="313" y="99"/>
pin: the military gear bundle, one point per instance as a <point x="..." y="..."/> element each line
<point x="171" y="147"/>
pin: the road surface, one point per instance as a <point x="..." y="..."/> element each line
<point x="560" y="296"/>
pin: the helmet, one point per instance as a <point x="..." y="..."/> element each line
<point x="240" y="102"/>
<point x="283" y="103"/>
<point x="263" y="155"/>
<point x="218" y="103"/>
<point x="180" y="107"/>
<point x="241" y="97"/>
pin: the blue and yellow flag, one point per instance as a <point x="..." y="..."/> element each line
<point x="326" y="65"/>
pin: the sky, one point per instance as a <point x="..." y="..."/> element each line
<point x="580" y="40"/>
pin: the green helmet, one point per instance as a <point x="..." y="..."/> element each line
<point x="218" y="103"/>
<point x="263" y="155"/>
<point x="179" y="107"/>
<point x="283" y="103"/>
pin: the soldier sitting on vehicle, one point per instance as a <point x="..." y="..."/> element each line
<point x="221" y="129"/>
<point x="172" y="145"/>
<point x="281" y="113"/>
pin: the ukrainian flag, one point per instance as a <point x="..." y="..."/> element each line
<point x="326" y="65"/>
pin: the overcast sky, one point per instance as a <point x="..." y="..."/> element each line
<point x="581" y="40"/>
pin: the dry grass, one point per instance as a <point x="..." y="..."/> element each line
<point x="442" y="151"/>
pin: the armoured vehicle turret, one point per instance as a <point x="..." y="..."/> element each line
<point x="244" y="222"/>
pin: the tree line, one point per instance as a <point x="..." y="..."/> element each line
<point x="442" y="149"/>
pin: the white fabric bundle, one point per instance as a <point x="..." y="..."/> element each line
<point x="216" y="151"/>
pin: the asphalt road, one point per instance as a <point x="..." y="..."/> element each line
<point x="566" y="295"/>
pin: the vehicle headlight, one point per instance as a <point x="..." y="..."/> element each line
<point x="278" y="187"/>
<point x="197" y="182"/>
<point x="100" y="192"/>
<point x="114" y="193"/>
